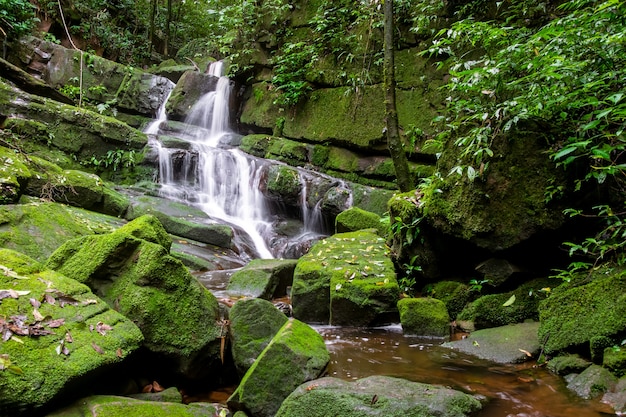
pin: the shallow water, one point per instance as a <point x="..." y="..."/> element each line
<point x="522" y="390"/>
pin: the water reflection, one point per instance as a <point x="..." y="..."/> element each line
<point x="512" y="390"/>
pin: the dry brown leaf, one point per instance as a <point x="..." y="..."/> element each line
<point x="35" y="303"/>
<point x="147" y="388"/>
<point x="38" y="316"/>
<point x="103" y="328"/>
<point x="53" y="324"/>
<point x="525" y="352"/>
<point x="97" y="348"/>
<point x="118" y="352"/>
<point x="156" y="387"/>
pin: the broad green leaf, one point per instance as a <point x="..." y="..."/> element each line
<point x="509" y="302"/>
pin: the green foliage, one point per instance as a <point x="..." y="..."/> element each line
<point x="17" y="18"/>
<point x="115" y="160"/>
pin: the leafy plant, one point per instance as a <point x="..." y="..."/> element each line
<point x="476" y="285"/>
<point x="408" y="281"/>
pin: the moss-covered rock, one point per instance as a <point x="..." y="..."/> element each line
<point x="592" y="382"/>
<point x="513" y="343"/>
<point x="615" y="361"/>
<point x="346" y="279"/>
<point x="191" y="86"/>
<point x="253" y="324"/>
<point x="576" y="313"/>
<point x="394" y="397"/>
<point x="455" y="295"/>
<point x="53" y="352"/>
<point x="113" y="406"/>
<point x="283" y="184"/>
<point x="568" y="364"/>
<point x="355" y="219"/>
<point x="14" y="174"/>
<point x="295" y="355"/>
<point x="494" y="310"/>
<point x="143" y="282"/>
<point x="617" y="398"/>
<point x="37" y="229"/>
<point x="424" y="317"/>
<point x="263" y="278"/>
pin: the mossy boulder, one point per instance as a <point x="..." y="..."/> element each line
<point x="617" y="398"/>
<point x="263" y="278"/>
<point x="296" y="354"/>
<point x="577" y="312"/>
<point x="592" y="382"/>
<point x="253" y="324"/>
<point x="191" y="86"/>
<point x="513" y="343"/>
<point x="568" y="364"/>
<point x="615" y="360"/>
<point x="515" y="306"/>
<point x="395" y="397"/>
<point x="53" y="353"/>
<point x="355" y="219"/>
<point x="283" y="184"/>
<point x="111" y="405"/>
<point x="455" y="295"/>
<point x="424" y="317"/>
<point x="14" y="174"/>
<point x="145" y="283"/>
<point x="346" y="279"/>
<point x="37" y="229"/>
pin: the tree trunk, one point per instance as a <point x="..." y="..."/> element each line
<point x="168" y="21"/>
<point x="394" y="142"/>
<point x="153" y="7"/>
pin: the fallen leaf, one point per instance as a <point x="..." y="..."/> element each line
<point x="38" y="316"/>
<point x="53" y="324"/>
<point x="147" y="388"/>
<point x="88" y="302"/>
<point x="525" y="352"/>
<point x="49" y="299"/>
<point x="510" y="301"/>
<point x="35" y="303"/>
<point x="97" y="348"/>
<point x="118" y="352"/>
<point x="17" y="339"/>
<point x="68" y="337"/>
<point x="103" y="328"/>
<point x="156" y="387"/>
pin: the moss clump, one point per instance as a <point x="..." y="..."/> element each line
<point x="573" y="315"/>
<point x="455" y="296"/>
<point x="568" y="364"/>
<point x="148" y="228"/>
<point x="14" y="174"/>
<point x="288" y="151"/>
<point x="424" y="317"/>
<point x="263" y="278"/>
<point x="615" y="360"/>
<point x="283" y="183"/>
<point x="255" y="145"/>
<point x="355" y="219"/>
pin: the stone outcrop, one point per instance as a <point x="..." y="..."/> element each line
<point x="263" y="278"/>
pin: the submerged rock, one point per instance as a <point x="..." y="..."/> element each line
<point x="295" y="355"/>
<point x="507" y="344"/>
<point x="253" y="324"/>
<point x="376" y="396"/>
<point x="61" y="337"/>
<point x="346" y="279"/>
<point x="140" y="279"/>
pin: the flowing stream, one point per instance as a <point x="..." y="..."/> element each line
<point x="225" y="183"/>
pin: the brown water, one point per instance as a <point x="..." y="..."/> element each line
<point x="522" y="390"/>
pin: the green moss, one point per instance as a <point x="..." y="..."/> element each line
<point x="568" y="364"/>
<point x="574" y="315"/>
<point x="149" y="228"/>
<point x="261" y="112"/>
<point x="340" y="159"/>
<point x="615" y="360"/>
<point x="288" y="151"/>
<point x="256" y="145"/>
<point x="284" y="182"/>
<point x="371" y="198"/>
<point x="14" y="174"/>
<point x="424" y="317"/>
<point x="355" y="219"/>
<point x="263" y="278"/>
<point x="455" y="296"/>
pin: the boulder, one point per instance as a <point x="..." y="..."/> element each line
<point x="346" y="279"/>
<point x="176" y="314"/>
<point x="283" y="184"/>
<point x="263" y="278"/>
<point x="579" y="311"/>
<point x="58" y="336"/>
<point x="14" y="174"/>
<point x="296" y="354"/>
<point x="592" y="382"/>
<point x="355" y="219"/>
<point x="376" y="396"/>
<point x="424" y="317"/>
<point x="568" y="364"/>
<point x="455" y="295"/>
<point x="617" y="397"/>
<point x="37" y="229"/>
<point x="190" y="87"/>
<point x="253" y="324"/>
<point x="615" y="360"/>
<point x="182" y="220"/>
<point x="111" y="405"/>
<point x="507" y="344"/>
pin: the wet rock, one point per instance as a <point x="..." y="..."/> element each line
<point x="617" y="397"/>
<point x="37" y="229"/>
<point x="568" y="364"/>
<point x="592" y="382"/>
<point x="253" y="324"/>
<point x="141" y="280"/>
<point x="283" y="185"/>
<point x="170" y="395"/>
<point x="346" y="279"/>
<point x="110" y="405"/>
<point x="263" y="278"/>
<point x="190" y="87"/>
<point x="63" y="337"/>
<point x="355" y="219"/>
<point x="376" y="396"/>
<point x="567" y="319"/>
<point x="615" y="360"/>
<point x="296" y="354"/>
<point x="424" y="317"/>
<point x="507" y="344"/>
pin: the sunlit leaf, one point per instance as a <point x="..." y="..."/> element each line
<point x="510" y="301"/>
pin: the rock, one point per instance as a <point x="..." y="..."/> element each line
<point x="110" y="405"/>
<point x="615" y="360"/>
<point x="169" y="395"/>
<point x="263" y="278"/>
<point x="253" y="324"/>
<point x="61" y="354"/>
<point x="182" y="220"/>
<point x="346" y="279"/>
<point x="494" y="310"/>
<point x="376" y="396"/>
<point x="592" y="382"/>
<point x="190" y="87"/>
<point x="296" y="354"/>
<point x="567" y="319"/>
<point x="617" y="397"/>
<point x="496" y="271"/>
<point x="142" y="281"/>
<point x="455" y="295"/>
<point x="283" y="185"/>
<point x="37" y="229"/>
<point x="568" y="364"/>
<point x="507" y="344"/>
<point x="14" y="174"/>
<point x="355" y="219"/>
<point x="424" y="317"/>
